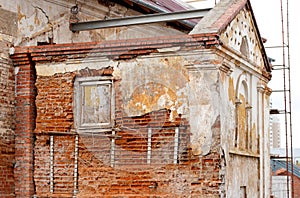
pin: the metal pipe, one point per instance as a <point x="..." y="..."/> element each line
<point x="138" y="20"/>
<point x="75" y="166"/>
<point x="112" y="151"/>
<point x="51" y="163"/>
<point x="176" y="145"/>
<point x="149" y="146"/>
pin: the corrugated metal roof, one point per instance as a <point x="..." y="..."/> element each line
<point x="165" y="6"/>
<point x="174" y="6"/>
<point x="171" y="5"/>
<point x="279" y="164"/>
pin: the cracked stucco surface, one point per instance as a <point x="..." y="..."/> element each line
<point x="48" y="21"/>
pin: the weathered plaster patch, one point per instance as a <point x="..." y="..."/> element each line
<point x="20" y="14"/>
<point x="242" y="130"/>
<point x="254" y="139"/>
<point x="176" y="63"/>
<point x="50" y="69"/>
<point x="168" y="49"/>
<point x="231" y="91"/>
<point x="242" y="171"/>
<point x="162" y="84"/>
<point x="201" y="139"/>
<point x="223" y="76"/>
<point x="36" y="20"/>
<point x="204" y="109"/>
<point x="7" y="38"/>
<point x="152" y="97"/>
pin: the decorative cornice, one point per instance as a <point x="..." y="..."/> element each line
<point x="262" y="88"/>
<point x="114" y="49"/>
<point x="226" y="68"/>
<point x="268" y="91"/>
<point x="228" y="54"/>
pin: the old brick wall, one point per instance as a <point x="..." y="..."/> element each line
<point x="25" y="124"/>
<point x="296" y="187"/>
<point x="54" y="115"/>
<point x="51" y="158"/>
<point x="129" y="175"/>
<point x="67" y="163"/>
<point x="7" y="123"/>
<point x="7" y="101"/>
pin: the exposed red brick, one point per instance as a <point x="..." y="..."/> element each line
<point x="96" y="177"/>
<point x="132" y="177"/>
<point x="117" y="49"/>
<point x="54" y="103"/>
<point x="25" y="124"/>
<point x="7" y="124"/>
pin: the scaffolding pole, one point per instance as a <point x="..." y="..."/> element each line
<point x="287" y="95"/>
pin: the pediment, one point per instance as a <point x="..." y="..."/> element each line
<point x="241" y="36"/>
<point x="235" y="24"/>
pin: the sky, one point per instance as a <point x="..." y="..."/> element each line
<point x="268" y="17"/>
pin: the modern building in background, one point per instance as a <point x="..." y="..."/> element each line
<point x="275" y="139"/>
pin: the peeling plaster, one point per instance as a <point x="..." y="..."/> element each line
<point x="20" y="14"/>
<point x="231" y="91"/>
<point x="162" y="84"/>
<point x="49" y="24"/>
<point x="55" y="68"/>
<point x="152" y="97"/>
<point x="204" y="110"/>
<point x="244" y="172"/>
<point x="242" y="125"/>
<point x="39" y="23"/>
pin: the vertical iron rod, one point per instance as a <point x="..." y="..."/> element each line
<point x="285" y="97"/>
<point x="75" y="166"/>
<point x="149" y="146"/>
<point x="51" y="163"/>
<point x="176" y="144"/>
<point x="290" y="93"/>
<point x="112" y="150"/>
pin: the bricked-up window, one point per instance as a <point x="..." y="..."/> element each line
<point x="93" y="104"/>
